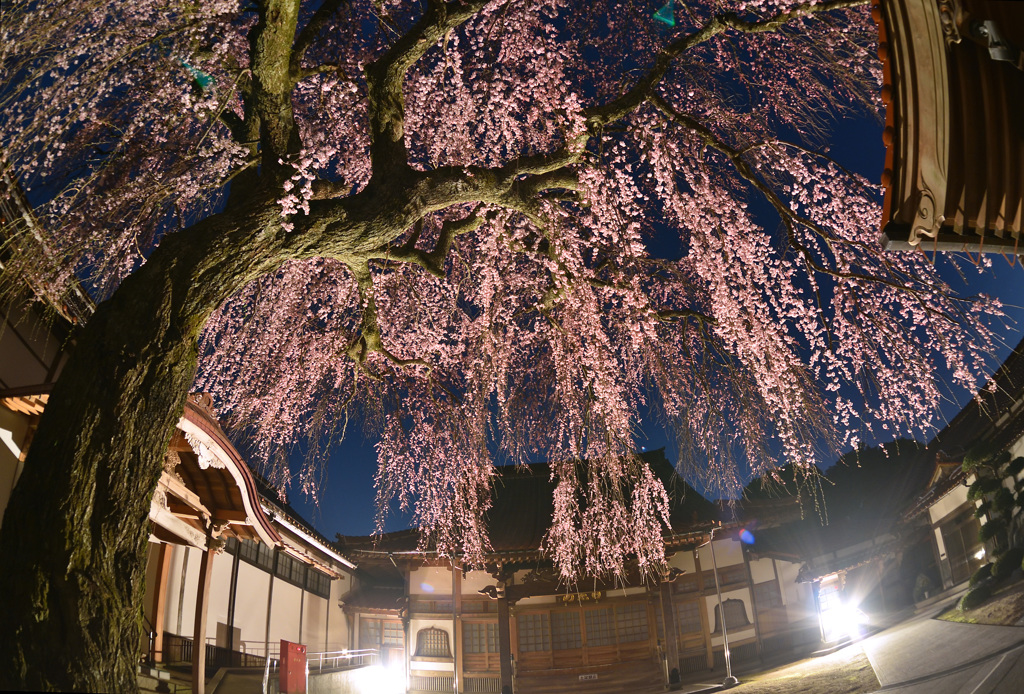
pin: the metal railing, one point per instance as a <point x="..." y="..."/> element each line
<point x="331" y="660"/>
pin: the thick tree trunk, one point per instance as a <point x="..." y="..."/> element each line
<point x="74" y="535"/>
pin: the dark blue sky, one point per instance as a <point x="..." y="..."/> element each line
<point x="348" y="495"/>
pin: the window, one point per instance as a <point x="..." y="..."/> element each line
<point x="533" y="633"/>
<point x="688" y="617"/>
<point x="480" y="637"/>
<point x="393" y="634"/>
<point x="767" y="595"/>
<point x="735" y="615"/>
<point x="727" y="575"/>
<point x="369" y="633"/>
<point x="631" y="622"/>
<point x="374" y="633"/>
<point x="687" y="583"/>
<point x="318" y="583"/>
<point x="600" y="627"/>
<point x="432" y="643"/>
<point x="565" y="631"/>
<point x="256" y="553"/>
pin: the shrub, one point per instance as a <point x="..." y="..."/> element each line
<point x="981" y="510"/>
<point x="1019" y="485"/>
<point x="1003" y="500"/>
<point x="1009" y="561"/>
<point x="975" y="597"/>
<point x="991" y="529"/>
<point x="981" y="487"/>
<point x="979" y="455"/>
<point x="1014" y="467"/>
<point x="983" y="572"/>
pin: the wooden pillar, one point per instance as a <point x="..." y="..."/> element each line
<point x="504" y="642"/>
<point x="160" y="601"/>
<point x="199" y="633"/>
<point x="668" y="618"/>
<point x="457" y="625"/>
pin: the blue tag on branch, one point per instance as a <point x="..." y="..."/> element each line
<point x="202" y="79"/>
<point x="666" y="15"/>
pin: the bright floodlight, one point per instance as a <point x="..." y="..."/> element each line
<point x="378" y="679"/>
<point x="843" y="621"/>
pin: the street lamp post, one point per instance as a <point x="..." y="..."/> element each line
<point x="729" y="680"/>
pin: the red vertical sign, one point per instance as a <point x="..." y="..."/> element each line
<point x="293" y="668"/>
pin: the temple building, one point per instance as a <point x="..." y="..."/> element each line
<point x="512" y="625"/>
<point x="954" y="91"/>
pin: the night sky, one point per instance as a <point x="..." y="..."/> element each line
<point x="348" y="497"/>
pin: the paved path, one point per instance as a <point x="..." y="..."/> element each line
<point x="929" y="656"/>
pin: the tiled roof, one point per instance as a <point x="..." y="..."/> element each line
<point x="389" y="599"/>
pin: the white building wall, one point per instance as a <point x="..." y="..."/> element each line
<point x="948" y="504"/>
<point x="220" y="593"/>
<point x="289" y="602"/>
<point x="251" y="604"/>
<point x="762" y="570"/>
<point x="684" y="561"/>
<point x="284" y="612"/>
<point x="431" y="580"/>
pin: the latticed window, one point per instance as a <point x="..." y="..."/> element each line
<point x="318" y="583"/>
<point x="256" y="553"/>
<point x="533" y="633"/>
<point x="369" y="633"/>
<point x="767" y="595"/>
<point x="393" y="634"/>
<point x="432" y="643"/>
<point x="687" y="583"/>
<point x="480" y="637"/>
<point x="688" y="617"/>
<point x="565" y="631"/>
<point x="631" y="622"/>
<point x="600" y="627"/>
<point x="735" y="615"/>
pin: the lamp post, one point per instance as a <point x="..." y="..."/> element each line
<point x="729" y="680"/>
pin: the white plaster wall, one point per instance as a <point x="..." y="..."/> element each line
<point x="431" y="580"/>
<point x="742" y="594"/>
<point x="188" y="604"/>
<point x="684" y="561"/>
<point x="284" y="612"/>
<point x="251" y="602"/>
<point x="762" y="570"/>
<point x="948" y="504"/>
<point x="537" y="600"/>
<point x="727" y="551"/>
<point x="337" y="626"/>
<point x="476" y="580"/>
<point x="314" y="610"/>
<point x="220" y="593"/>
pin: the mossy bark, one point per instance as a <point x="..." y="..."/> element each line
<point x="74" y="535"/>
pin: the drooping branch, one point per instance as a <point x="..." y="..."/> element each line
<point x="601" y="116"/>
<point x="385" y="76"/>
<point x="308" y="35"/>
<point x="369" y="339"/>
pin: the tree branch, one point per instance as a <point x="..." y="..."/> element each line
<point x="384" y="78"/>
<point x="433" y="261"/>
<point x="600" y="116"/>
<point x="305" y="39"/>
<point x="271" y="55"/>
